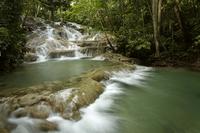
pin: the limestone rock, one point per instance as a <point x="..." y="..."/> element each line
<point x="3" y="130"/>
<point x="20" y="113"/>
<point x="48" y="126"/>
<point x="39" y="114"/>
<point x="29" y="99"/>
<point x="99" y="76"/>
<point x="59" y="53"/>
<point x="30" y="57"/>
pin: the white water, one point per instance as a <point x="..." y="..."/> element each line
<point x="100" y="58"/>
<point x="53" y="44"/>
<point x="96" y="117"/>
<point x="72" y="34"/>
<point x="58" y="41"/>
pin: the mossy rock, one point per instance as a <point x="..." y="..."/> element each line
<point x="3" y="130"/>
<point x="48" y="126"/>
<point x="30" y="57"/>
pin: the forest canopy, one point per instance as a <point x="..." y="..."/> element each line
<point x="144" y="29"/>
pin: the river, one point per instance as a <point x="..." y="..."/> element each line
<point x="167" y="101"/>
<point x="146" y="100"/>
<point x="54" y="70"/>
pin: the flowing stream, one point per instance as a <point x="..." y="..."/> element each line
<point x="55" y="70"/>
<point x="145" y="100"/>
<point x="62" y="42"/>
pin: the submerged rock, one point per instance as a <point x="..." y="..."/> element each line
<point x="54" y="97"/>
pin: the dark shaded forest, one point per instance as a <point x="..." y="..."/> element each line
<point x="157" y="32"/>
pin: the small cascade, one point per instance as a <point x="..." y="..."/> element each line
<point x="62" y="42"/>
<point x="98" y="117"/>
<point x="49" y="32"/>
<point x="72" y="34"/>
<point x="51" y="44"/>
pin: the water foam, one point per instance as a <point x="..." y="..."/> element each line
<point x="99" y="58"/>
<point x="96" y="117"/>
<point x="55" y="40"/>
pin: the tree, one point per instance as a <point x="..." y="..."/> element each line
<point x="156" y="17"/>
<point x="53" y="5"/>
<point x="12" y="39"/>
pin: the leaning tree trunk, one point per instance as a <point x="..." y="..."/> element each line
<point x="102" y="22"/>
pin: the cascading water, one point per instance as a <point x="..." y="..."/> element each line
<point x="97" y="117"/>
<point x="72" y="34"/>
<point x="53" y="44"/>
<point x="60" y="42"/>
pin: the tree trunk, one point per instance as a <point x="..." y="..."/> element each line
<point x="177" y="10"/>
<point x="186" y="36"/>
<point x="102" y="27"/>
<point x="52" y="10"/>
<point x="37" y="11"/>
<point x="156" y="17"/>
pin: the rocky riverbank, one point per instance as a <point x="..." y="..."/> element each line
<point x="62" y="97"/>
<point x="192" y="65"/>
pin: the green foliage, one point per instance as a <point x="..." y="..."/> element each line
<point x="12" y="38"/>
<point x="131" y="24"/>
<point x="195" y="48"/>
<point x="127" y="21"/>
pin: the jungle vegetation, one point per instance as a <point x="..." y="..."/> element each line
<point x="144" y="29"/>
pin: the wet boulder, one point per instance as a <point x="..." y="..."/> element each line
<point x="30" y="57"/>
<point x="47" y="126"/>
<point x="39" y="114"/>
<point x="59" y="53"/>
<point x="93" y="51"/>
<point x="20" y="113"/>
<point x="29" y="99"/>
<point x="3" y="130"/>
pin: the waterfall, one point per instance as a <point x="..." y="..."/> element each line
<point x="49" y="32"/>
<point x="62" y="42"/>
<point x="72" y="34"/>
<point x="51" y="43"/>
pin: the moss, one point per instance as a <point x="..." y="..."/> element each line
<point x="86" y="88"/>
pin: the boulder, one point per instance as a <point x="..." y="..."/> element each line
<point x="3" y="130"/>
<point x="40" y="114"/>
<point x="93" y="51"/>
<point x="5" y="126"/>
<point x="59" y="53"/>
<point x="99" y="76"/>
<point x="92" y="43"/>
<point x="32" y="23"/>
<point x="48" y="126"/>
<point x="20" y="113"/>
<point x="30" y="57"/>
<point x="29" y="99"/>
